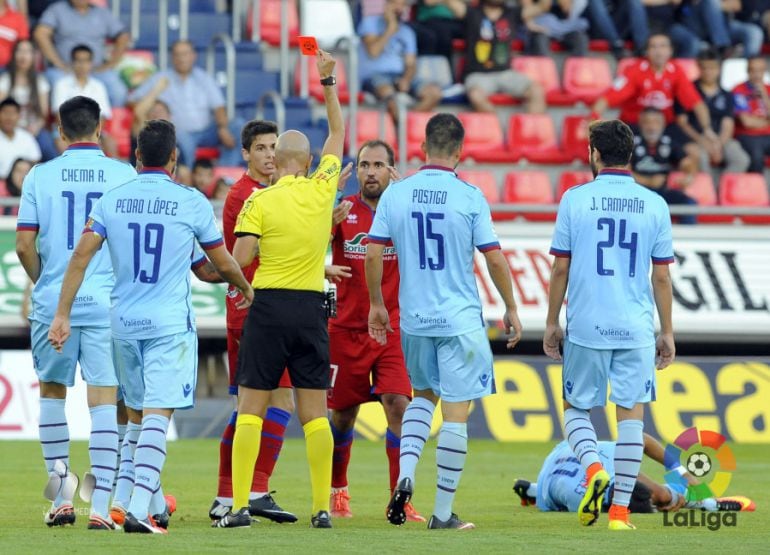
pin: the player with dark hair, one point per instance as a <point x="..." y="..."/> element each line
<point x="154" y="342"/>
<point x="435" y="222"/>
<point x="258" y="139"/>
<point x="609" y="232"/>
<point x="362" y="370"/>
<point x="56" y="199"/>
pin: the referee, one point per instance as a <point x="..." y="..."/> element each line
<point x="288" y="224"/>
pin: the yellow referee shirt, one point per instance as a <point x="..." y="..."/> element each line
<point x="293" y="219"/>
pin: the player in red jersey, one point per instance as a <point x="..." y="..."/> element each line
<point x="258" y="141"/>
<point x="655" y="82"/>
<point x="362" y="370"/>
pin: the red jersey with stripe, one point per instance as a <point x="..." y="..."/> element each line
<point x="239" y="192"/>
<point x="641" y="86"/>
<point x="349" y="249"/>
<point x="748" y="100"/>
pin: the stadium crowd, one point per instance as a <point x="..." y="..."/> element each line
<point x="421" y="52"/>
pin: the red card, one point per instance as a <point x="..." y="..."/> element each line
<point x="308" y="46"/>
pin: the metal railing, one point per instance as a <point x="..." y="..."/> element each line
<point x="255" y="21"/>
<point x="211" y="51"/>
<point x="163" y="22"/>
<point x="278" y="104"/>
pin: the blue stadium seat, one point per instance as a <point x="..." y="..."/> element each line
<point x="248" y="56"/>
<point x="202" y="28"/>
<point x="251" y="84"/>
<point x="151" y="6"/>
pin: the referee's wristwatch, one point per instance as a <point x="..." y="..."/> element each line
<point x="329" y="81"/>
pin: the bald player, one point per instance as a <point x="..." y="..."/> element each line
<point x="288" y="225"/>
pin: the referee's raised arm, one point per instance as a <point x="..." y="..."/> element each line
<point x="336" y="140"/>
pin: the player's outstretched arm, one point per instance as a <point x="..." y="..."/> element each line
<point x="665" y="348"/>
<point x="85" y="250"/>
<point x="557" y="289"/>
<point x="26" y="250"/>
<point x="379" y="320"/>
<point x="335" y="142"/>
<point x="229" y="269"/>
<point x="501" y="277"/>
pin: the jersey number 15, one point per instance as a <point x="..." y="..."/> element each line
<point x="425" y="232"/>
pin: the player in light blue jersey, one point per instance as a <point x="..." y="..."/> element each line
<point x="608" y="235"/>
<point x="435" y="221"/>
<point x="56" y="199"/>
<point x="150" y="225"/>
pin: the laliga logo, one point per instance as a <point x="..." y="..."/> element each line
<point x="699" y="453"/>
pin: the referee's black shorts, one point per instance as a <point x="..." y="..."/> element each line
<point x="285" y="329"/>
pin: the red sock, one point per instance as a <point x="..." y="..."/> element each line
<point x="393" y="450"/>
<point x="225" y="484"/>
<point x="273" y="430"/>
<point x="343" y="442"/>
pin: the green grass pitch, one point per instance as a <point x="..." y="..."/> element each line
<point x="485" y="497"/>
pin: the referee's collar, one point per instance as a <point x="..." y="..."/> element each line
<point x="436" y="167"/>
<point x="615" y="172"/>
<point x="155" y="170"/>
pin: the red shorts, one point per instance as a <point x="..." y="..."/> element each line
<point x="362" y="370"/>
<point x="233" y="343"/>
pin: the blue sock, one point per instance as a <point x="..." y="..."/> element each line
<point x="581" y="436"/>
<point x="121" y="435"/>
<point x="54" y="436"/>
<point x="450" y="460"/>
<point x="415" y="429"/>
<point x="628" y="458"/>
<point x="149" y="457"/>
<point x="125" y="481"/>
<point x="157" y="501"/>
<point x="103" y="450"/>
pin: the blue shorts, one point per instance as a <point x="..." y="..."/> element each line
<point x="90" y="346"/>
<point x="631" y="373"/>
<point x="158" y="373"/>
<point x="457" y="368"/>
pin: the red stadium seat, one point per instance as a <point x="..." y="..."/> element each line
<point x="533" y="137"/>
<point x="745" y="189"/>
<point x="415" y="133"/>
<point x="690" y="67"/>
<point x="119" y="127"/>
<point x="574" y="137"/>
<point x="315" y="88"/>
<point x="483" y="138"/>
<point x="270" y="22"/>
<point x="542" y="69"/>
<point x="702" y="190"/>
<point x="586" y="78"/>
<point x="484" y="180"/>
<point x="569" y="179"/>
<point x="624" y="64"/>
<point x="369" y="123"/>
<point x="206" y="153"/>
<point x="529" y="187"/>
<point x="233" y="172"/>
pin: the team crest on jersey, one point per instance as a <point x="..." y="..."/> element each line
<point x="356" y="247"/>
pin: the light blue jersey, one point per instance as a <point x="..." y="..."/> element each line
<point x="561" y="482"/>
<point x="435" y="221"/>
<point x="612" y="229"/>
<point x="55" y="201"/>
<point x="151" y="224"/>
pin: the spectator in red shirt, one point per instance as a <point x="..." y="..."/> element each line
<point x="656" y="82"/>
<point x="13" y="28"/>
<point x="752" y="111"/>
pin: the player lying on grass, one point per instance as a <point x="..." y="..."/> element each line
<point x="561" y="485"/>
